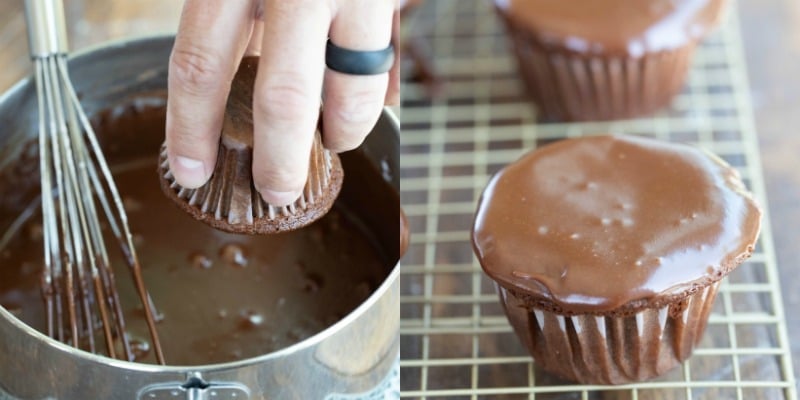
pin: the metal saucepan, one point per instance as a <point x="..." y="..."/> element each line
<point x="351" y="358"/>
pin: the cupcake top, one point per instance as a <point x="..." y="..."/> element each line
<point x="630" y="27"/>
<point x="613" y="224"/>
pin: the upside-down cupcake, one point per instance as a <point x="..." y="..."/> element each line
<point x="600" y="60"/>
<point x="607" y="251"/>
<point x="229" y="201"/>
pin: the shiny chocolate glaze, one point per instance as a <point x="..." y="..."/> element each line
<point x="630" y="27"/>
<point x="221" y="296"/>
<point x="607" y="224"/>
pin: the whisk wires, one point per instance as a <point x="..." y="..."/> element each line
<point x="78" y="283"/>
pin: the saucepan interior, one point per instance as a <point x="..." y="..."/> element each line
<point x="351" y="355"/>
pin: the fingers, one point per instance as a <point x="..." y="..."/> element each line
<point x="210" y="42"/>
<point x="287" y="95"/>
<point x="353" y="102"/>
<point x="256" y="37"/>
<point x="257" y="33"/>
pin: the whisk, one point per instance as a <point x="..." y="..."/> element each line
<point x="77" y="279"/>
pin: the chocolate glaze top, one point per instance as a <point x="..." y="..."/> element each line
<point x="630" y="27"/>
<point x="603" y="224"/>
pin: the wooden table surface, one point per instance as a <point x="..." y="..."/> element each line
<point x="772" y="43"/>
<point x="89" y="22"/>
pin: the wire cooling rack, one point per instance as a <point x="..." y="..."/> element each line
<point x="455" y="340"/>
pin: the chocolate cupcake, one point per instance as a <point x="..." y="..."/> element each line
<point x="601" y="60"/>
<point x="607" y="252"/>
<point x="229" y="200"/>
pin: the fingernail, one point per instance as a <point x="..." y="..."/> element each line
<point x="190" y="173"/>
<point x="279" y="199"/>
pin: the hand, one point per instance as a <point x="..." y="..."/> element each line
<point x="290" y="35"/>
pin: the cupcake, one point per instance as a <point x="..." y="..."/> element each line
<point x="602" y="60"/>
<point x="229" y="200"/>
<point x="607" y="251"/>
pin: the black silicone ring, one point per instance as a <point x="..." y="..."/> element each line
<point x="354" y="62"/>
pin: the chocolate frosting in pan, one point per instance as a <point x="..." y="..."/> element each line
<point x="631" y="27"/>
<point x="594" y="224"/>
<point x="221" y="296"/>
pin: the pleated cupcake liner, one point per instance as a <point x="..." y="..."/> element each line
<point x="597" y="349"/>
<point x="229" y="200"/>
<point x="567" y="86"/>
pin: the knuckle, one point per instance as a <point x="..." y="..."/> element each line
<point x="360" y="106"/>
<point x="286" y="99"/>
<point x="356" y="111"/>
<point x="197" y="71"/>
<point x="349" y="120"/>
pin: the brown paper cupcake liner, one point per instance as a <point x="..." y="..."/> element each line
<point x="567" y="86"/>
<point x="230" y="202"/>
<point x="597" y="349"/>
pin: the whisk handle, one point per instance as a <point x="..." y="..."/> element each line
<point x="47" y="29"/>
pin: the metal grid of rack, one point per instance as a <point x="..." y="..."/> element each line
<point x="455" y="341"/>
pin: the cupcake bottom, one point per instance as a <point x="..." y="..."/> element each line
<point x="567" y="86"/>
<point x="594" y="349"/>
<point x="230" y="202"/>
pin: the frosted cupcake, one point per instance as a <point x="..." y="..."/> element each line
<point x="608" y="251"/>
<point x="601" y="60"/>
